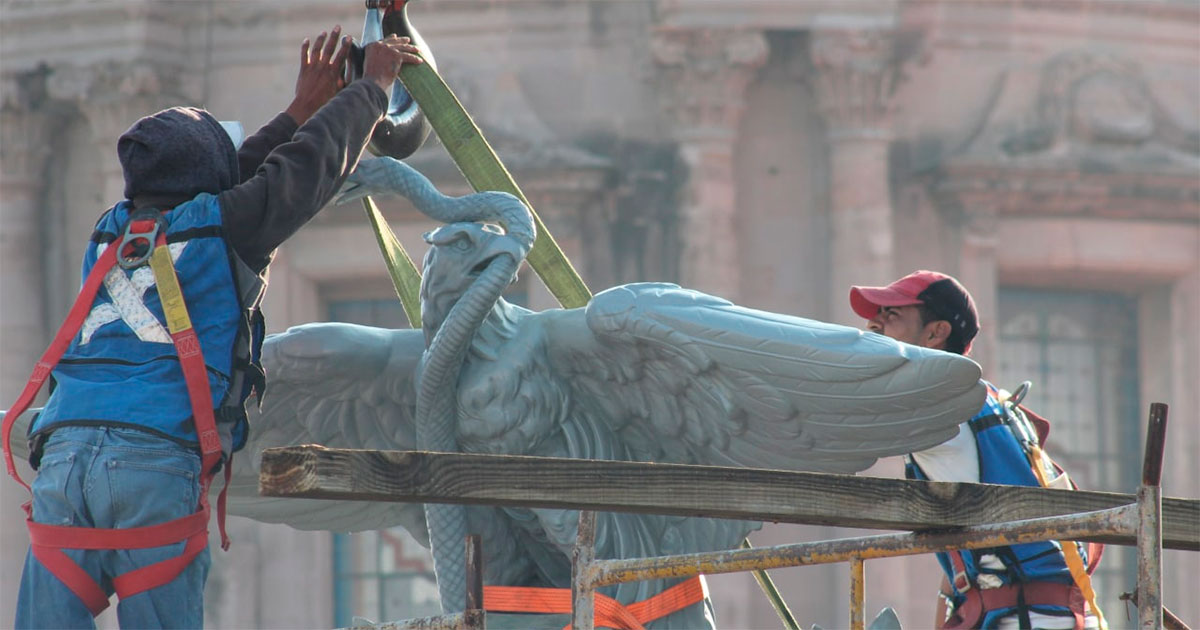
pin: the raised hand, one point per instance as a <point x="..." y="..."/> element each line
<point x="384" y="59"/>
<point x="322" y="74"/>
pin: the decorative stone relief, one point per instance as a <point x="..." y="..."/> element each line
<point x="1097" y="99"/>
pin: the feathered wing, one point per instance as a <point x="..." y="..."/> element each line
<point x="686" y="377"/>
<point x="653" y="372"/>
<point x="341" y="386"/>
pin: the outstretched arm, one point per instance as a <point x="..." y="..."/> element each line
<point x="299" y="177"/>
<point x="320" y="78"/>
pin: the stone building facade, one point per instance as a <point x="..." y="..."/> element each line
<point x="773" y="152"/>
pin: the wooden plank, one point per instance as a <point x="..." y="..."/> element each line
<point x="741" y="493"/>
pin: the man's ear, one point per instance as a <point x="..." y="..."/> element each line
<point x="937" y="333"/>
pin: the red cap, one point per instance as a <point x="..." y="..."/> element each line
<point x="944" y="295"/>
<point x="907" y="290"/>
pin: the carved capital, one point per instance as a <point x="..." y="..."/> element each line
<point x="26" y="116"/>
<point x="704" y="73"/>
<point x="855" y="76"/>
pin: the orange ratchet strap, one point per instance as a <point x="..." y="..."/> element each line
<point x="609" y="612"/>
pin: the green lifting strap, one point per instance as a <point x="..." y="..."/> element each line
<point x="405" y="276"/>
<point x="484" y="171"/>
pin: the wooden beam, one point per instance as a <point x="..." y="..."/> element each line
<point x="317" y="472"/>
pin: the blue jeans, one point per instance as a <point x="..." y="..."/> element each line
<point x="109" y="478"/>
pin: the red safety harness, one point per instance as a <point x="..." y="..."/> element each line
<point x="145" y="241"/>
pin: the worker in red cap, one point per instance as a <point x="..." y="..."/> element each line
<point x="1018" y="586"/>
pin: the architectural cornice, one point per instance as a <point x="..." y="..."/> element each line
<point x="1041" y="191"/>
<point x="816" y="14"/>
<point x="777" y="14"/>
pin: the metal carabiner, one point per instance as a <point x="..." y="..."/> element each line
<point x="1019" y="394"/>
<point x="141" y="233"/>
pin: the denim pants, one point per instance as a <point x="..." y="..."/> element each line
<point x="107" y="477"/>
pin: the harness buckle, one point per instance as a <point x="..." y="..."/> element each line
<point x="962" y="583"/>
<point x="141" y="233"/>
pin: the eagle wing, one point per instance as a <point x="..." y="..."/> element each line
<point x="341" y="386"/>
<point x="686" y="377"/>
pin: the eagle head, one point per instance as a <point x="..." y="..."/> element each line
<point x="459" y="252"/>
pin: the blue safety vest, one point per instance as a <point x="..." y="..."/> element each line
<point x="1002" y="460"/>
<point x="121" y="368"/>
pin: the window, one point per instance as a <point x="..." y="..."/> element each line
<point x="1080" y="352"/>
<point x="382" y="576"/>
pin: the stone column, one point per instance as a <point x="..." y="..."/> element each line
<point x="704" y="73"/>
<point x="977" y="271"/>
<point x="854" y="73"/>
<point x="23" y="153"/>
<point x="23" y="335"/>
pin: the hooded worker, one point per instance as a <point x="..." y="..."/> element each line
<point x="159" y="353"/>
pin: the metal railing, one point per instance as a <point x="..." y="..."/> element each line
<point x="1141" y="519"/>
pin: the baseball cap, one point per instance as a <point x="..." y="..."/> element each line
<point x="940" y="293"/>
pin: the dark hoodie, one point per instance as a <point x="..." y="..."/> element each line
<point x="271" y="186"/>
<point x="178" y="152"/>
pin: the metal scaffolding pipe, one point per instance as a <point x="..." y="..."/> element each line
<point x="1114" y="521"/>
<point x="583" y="591"/>
<point x="1149" y="533"/>
<point x="858" y="591"/>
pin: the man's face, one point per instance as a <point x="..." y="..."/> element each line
<point x="902" y="323"/>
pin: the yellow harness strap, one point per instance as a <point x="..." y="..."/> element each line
<point x="1070" y="550"/>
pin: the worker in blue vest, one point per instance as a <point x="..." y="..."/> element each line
<point x="149" y="392"/>
<point x="1019" y="586"/>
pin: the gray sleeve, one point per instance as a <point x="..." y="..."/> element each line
<point x="300" y="176"/>
<point x="257" y="146"/>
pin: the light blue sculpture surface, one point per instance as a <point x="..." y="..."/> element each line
<point x="646" y="372"/>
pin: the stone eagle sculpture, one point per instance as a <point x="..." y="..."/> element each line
<point x="645" y="372"/>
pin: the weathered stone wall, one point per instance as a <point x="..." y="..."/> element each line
<point x="770" y="151"/>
